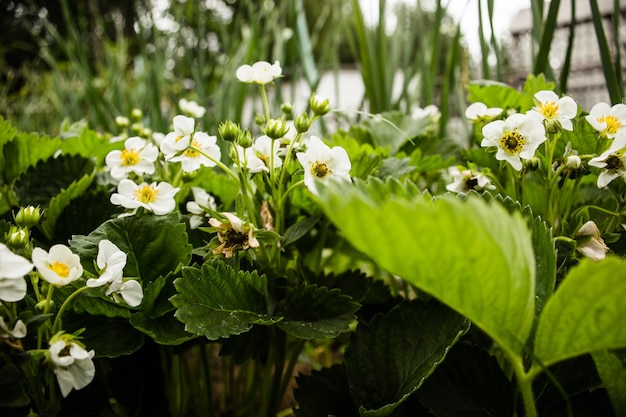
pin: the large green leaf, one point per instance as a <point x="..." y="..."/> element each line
<point x="472" y="255"/>
<point x="469" y="383"/>
<point x="155" y="245"/>
<point x="389" y="359"/>
<point x="585" y="314"/>
<point x="219" y="301"/>
<point x="324" y="393"/>
<point x="612" y="369"/>
<point x="312" y="312"/>
<point x="165" y="330"/>
<point x="24" y="151"/>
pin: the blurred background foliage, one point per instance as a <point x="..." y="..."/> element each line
<point x="94" y="60"/>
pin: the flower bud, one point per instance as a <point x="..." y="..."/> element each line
<point x="319" y="106"/>
<point x="276" y="128"/>
<point x="302" y="123"/>
<point x="17" y="237"/>
<point x="146" y="133"/>
<point x="259" y="119"/>
<point x="44" y="305"/>
<point x="28" y="216"/>
<point x="136" y="114"/>
<point x="532" y="164"/>
<point x="573" y="162"/>
<point x="122" y="121"/>
<point x="136" y="128"/>
<point x="286" y="108"/>
<point x="229" y="131"/>
<point x="553" y="127"/>
<point x="245" y="139"/>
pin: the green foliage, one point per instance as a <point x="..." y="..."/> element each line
<point x="584" y="314"/>
<point x="466" y="279"/>
<point x="390" y="358"/>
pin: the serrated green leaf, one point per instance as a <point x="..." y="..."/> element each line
<point x="494" y="94"/>
<point x="218" y="301"/>
<point x="312" y="312"/>
<point x="391" y="358"/>
<point x="63" y="199"/>
<point x="156" y="296"/>
<point x="89" y="144"/>
<point x="585" y="314"/>
<point x="44" y="181"/>
<point x="24" y="151"/>
<point x="612" y="369"/>
<point x="472" y="255"/>
<point x="324" y="393"/>
<point x="155" y="245"/>
<point x="107" y="337"/>
<point x="165" y="330"/>
<point x="469" y="383"/>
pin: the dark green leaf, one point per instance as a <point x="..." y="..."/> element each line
<point x="155" y="245"/>
<point x="469" y="383"/>
<point x="299" y="229"/>
<point x="324" y="393"/>
<point x="156" y="296"/>
<point x="389" y="359"/>
<point x="612" y="369"/>
<point x="107" y="337"/>
<point x="312" y="312"/>
<point x="165" y="330"/>
<point x="218" y="301"/>
<point x="13" y="387"/>
<point x="24" y="151"/>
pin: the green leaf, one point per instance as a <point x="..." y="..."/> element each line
<point x="218" y="301"/>
<point x="13" y="387"/>
<point x="91" y="303"/>
<point x="612" y="369"/>
<point x="165" y="330"/>
<point x="156" y="296"/>
<point x="44" y="181"/>
<point x="472" y="255"/>
<point x="155" y="245"/>
<point x="494" y="94"/>
<point x="585" y="314"/>
<point x="469" y="383"/>
<point x="389" y="359"/>
<point x="24" y="151"/>
<point x="107" y="337"/>
<point x="312" y="312"/>
<point x="90" y="144"/>
<point x="299" y="229"/>
<point x="324" y="393"/>
<point x="62" y="200"/>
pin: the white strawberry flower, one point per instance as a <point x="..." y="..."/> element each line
<point x="261" y="72"/>
<point x="320" y="162"/>
<point x="60" y="266"/>
<point x="158" y="198"/>
<point x="138" y="157"/>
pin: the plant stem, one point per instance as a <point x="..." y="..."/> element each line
<point x="57" y="320"/>
<point x="524" y="381"/>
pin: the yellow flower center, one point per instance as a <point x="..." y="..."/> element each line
<point x="192" y="153"/>
<point x="320" y="169"/>
<point x="146" y="194"/>
<point x="612" y="124"/>
<point x="129" y="157"/>
<point x="179" y="137"/>
<point x="549" y="110"/>
<point x="60" y="269"/>
<point x="512" y="142"/>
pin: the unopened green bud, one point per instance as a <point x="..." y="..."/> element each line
<point x="319" y="106"/>
<point x="146" y="133"/>
<point x="136" y="114"/>
<point x="553" y="127"/>
<point x="245" y="139"/>
<point x="259" y="119"/>
<point x="136" y="128"/>
<point x="45" y="305"/>
<point x="302" y="123"/>
<point x="276" y="128"/>
<point x="122" y="121"/>
<point x="28" y="216"/>
<point x="286" y="108"/>
<point x="532" y="164"/>
<point x="17" y="237"/>
<point x="573" y="162"/>
<point x="229" y="131"/>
